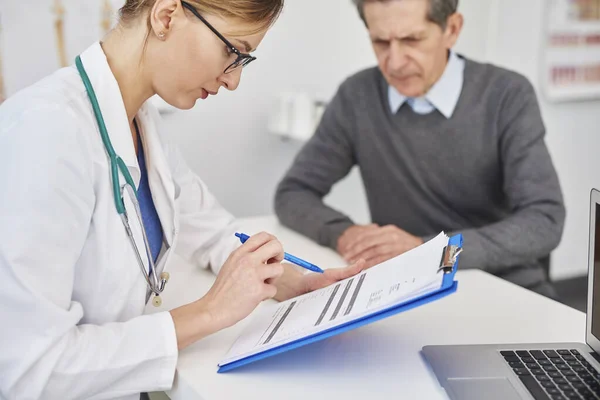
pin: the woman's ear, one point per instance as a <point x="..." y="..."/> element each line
<point x="163" y="17"/>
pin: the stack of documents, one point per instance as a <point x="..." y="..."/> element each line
<point x="385" y="289"/>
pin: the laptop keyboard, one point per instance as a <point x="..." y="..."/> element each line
<point x="555" y="374"/>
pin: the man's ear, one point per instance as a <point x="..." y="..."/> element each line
<point x="454" y="27"/>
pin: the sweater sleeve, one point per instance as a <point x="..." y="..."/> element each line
<point x="325" y="159"/>
<point x="531" y="187"/>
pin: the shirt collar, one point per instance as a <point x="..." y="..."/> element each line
<point x="444" y="94"/>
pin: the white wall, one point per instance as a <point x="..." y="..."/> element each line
<point x="573" y="128"/>
<point x="312" y="48"/>
<point x="28" y="36"/>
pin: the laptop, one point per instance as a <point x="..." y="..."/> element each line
<point x="530" y="371"/>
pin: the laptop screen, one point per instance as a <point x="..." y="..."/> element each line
<point x="595" y="256"/>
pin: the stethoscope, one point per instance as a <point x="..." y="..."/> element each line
<point x="116" y="165"/>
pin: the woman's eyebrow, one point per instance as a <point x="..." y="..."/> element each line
<point x="246" y="45"/>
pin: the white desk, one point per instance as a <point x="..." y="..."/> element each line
<point x="382" y="359"/>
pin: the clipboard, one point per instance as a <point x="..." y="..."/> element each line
<point x="448" y="266"/>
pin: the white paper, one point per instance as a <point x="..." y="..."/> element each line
<point x="390" y="283"/>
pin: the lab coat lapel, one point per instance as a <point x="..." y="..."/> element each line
<point x="117" y="124"/>
<point x="112" y="106"/>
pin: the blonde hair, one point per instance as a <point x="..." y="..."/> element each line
<point x="259" y="13"/>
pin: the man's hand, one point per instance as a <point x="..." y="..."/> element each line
<point x="350" y="235"/>
<point x="375" y="244"/>
<point x="294" y="283"/>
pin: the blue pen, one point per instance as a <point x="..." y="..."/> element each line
<point x="293" y="259"/>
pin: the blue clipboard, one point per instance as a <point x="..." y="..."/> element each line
<point x="449" y="286"/>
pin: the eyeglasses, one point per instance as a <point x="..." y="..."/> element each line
<point x="242" y="59"/>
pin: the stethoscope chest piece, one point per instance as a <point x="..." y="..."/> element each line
<point x="164" y="278"/>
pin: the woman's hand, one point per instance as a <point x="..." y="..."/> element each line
<point x="245" y="280"/>
<point x="293" y="283"/>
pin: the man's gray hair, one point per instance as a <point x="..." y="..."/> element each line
<point x="439" y="10"/>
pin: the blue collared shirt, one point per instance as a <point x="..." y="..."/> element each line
<point x="150" y="217"/>
<point x="443" y="95"/>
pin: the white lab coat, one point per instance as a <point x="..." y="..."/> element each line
<point x="72" y="294"/>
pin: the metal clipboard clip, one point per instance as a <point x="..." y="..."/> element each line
<point x="449" y="256"/>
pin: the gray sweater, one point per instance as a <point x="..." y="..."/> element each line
<point x="485" y="173"/>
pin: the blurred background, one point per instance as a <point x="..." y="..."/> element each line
<point x="242" y="143"/>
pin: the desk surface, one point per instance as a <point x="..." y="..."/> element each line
<point x="381" y="359"/>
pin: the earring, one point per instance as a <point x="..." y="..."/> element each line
<point x="161" y="35"/>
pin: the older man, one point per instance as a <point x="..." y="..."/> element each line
<point x="442" y="143"/>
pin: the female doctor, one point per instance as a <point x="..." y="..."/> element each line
<point x="95" y="199"/>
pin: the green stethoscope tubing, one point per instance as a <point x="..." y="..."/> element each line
<point x="116" y="163"/>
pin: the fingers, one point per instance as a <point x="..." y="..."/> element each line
<point x="272" y="250"/>
<point x="339" y="274"/>
<point x="362" y="237"/>
<point x="343" y="242"/>
<point x="373" y="252"/>
<point x="349" y="236"/>
<point x="270" y="291"/>
<point x="268" y="272"/>
<point x="374" y="239"/>
<point x="318" y="281"/>
<point x="355" y="268"/>
<point x="377" y="260"/>
<point x="264" y="246"/>
<point x="257" y="241"/>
